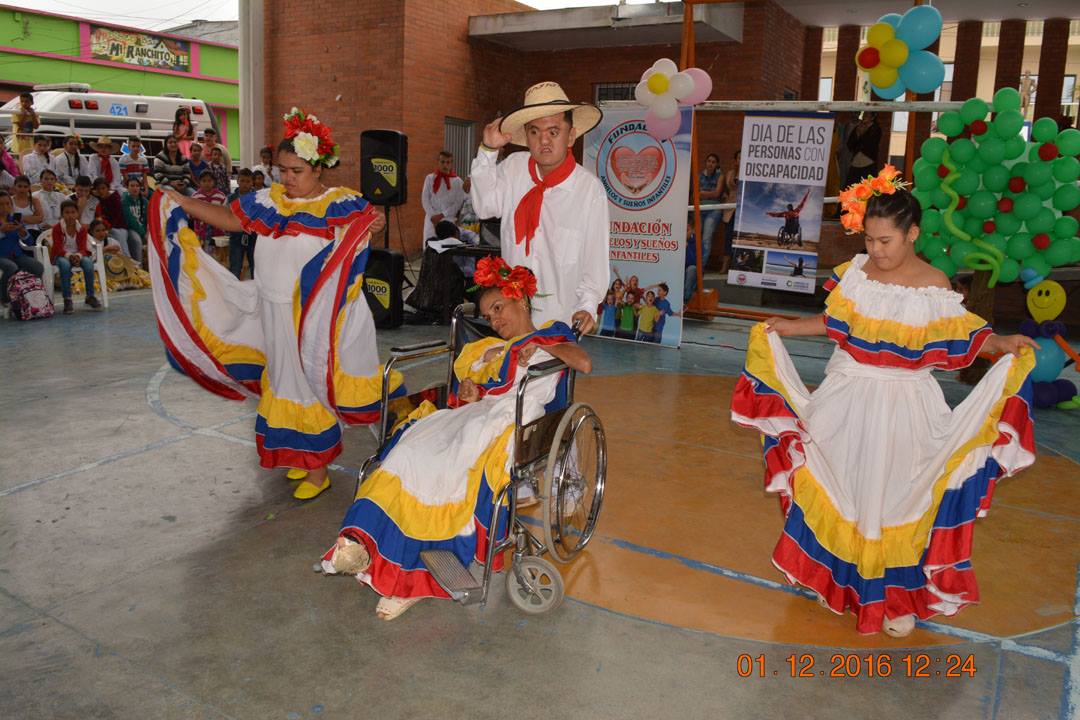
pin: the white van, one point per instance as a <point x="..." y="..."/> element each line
<point x="67" y="109"/>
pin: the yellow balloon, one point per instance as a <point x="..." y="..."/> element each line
<point x="880" y="33"/>
<point x="1046" y="300"/>
<point x="658" y="83"/>
<point x="894" y="53"/>
<point x="883" y="76"/>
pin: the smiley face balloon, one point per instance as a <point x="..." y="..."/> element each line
<point x="1046" y="300"/>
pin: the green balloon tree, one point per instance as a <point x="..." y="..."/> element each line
<point x="993" y="201"/>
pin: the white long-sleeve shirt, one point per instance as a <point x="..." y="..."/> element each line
<point x="447" y="202"/>
<point x="569" y="252"/>
<point x="34" y="163"/>
<point x="68" y="168"/>
<point x="117" y="183"/>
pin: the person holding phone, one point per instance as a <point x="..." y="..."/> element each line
<point x="12" y="237"/>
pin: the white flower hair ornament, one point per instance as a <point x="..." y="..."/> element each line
<point x="311" y="139"/>
<point x="663" y="88"/>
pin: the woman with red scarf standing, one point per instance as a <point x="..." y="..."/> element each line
<point x="554" y="212"/>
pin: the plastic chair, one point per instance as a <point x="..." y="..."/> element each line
<point x="48" y="279"/>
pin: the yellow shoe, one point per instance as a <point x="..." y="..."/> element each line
<point x="296" y="474"/>
<point x="307" y="490"/>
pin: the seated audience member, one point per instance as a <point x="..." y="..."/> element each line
<point x="69" y="247"/>
<point x="40" y="159"/>
<point x="110" y="208"/>
<point x="13" y="258"/>
<point x="208" y="192"/>
<point x="8" y="167"/>
<point x="85" y="199"/>
<point x="170" y="166"/>
<point x="241" y="244"/>
<point x="220" y="170"/>
<point x="50" y="199"/>
<point x="135" y="203"/>
<point x="258" y="180"/>
<point x="134" y="162"/>
<point x="196" y="165"/>
<point x="266" y="165"/>
<point x="25" y="204"/>
<point x="210" y="141"/>
<point x="104" y="166"/>
<point x="70" y="164"/>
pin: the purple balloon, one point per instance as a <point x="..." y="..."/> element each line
<point x="1065" y="389"/>
<point x="702" y="87"/>
<point x="662" y="128"/>
<point x="1044" y="394"/>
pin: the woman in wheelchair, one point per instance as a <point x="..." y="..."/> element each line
<point x="441" y="470"/>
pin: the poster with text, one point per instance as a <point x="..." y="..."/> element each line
<point x="135" y="48"/>
<point x="647" y="183"/>
<point x="785" y="160"/>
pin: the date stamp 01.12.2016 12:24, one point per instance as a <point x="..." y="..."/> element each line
<point x="853" y="665"/>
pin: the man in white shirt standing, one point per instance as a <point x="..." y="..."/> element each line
<point x="70" y="164"/>
<point x="38" y="160"/>
<point x="554" y="212"/>
<point x="104" y="165"/>
<point x="443" y="195"/>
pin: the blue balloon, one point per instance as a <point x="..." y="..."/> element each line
<point x="892" y="92"/>
<point x="920" y="27"/>
<point x="891" y="18"/>
<point x="1049" y="361"/>
<point x="923" y="72"/>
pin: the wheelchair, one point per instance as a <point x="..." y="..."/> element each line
<point x="788" y="237"/>
<point x="560" y="456"/>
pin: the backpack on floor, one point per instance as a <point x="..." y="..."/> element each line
<point x="29" y="300"/>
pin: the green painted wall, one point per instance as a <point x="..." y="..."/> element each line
<point x="219" y="62"/>
<point x="40" y="33"/>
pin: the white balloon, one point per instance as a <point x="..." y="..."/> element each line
<point x="680" y="85"/>
<point x="665" y="106"/>
<point x="665" y="66"/>
<point x="643" y="94"/>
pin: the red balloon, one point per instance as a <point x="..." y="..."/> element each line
<point x="989" y="226"/>
<point x="1005" y="205"/>
<point x="1041" y="241"/>
<point x="1048" y="151"/>
<point x="869" y="57"/>
<point x="1017" y="184"/>
<point x="962" y="204"/>
<point x="942" y="171"/>
<point x="978" y="127"/>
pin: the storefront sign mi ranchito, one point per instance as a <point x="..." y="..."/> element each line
<point x="140" y="49"/>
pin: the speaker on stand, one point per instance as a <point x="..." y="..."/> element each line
<point x="383" y="181"/>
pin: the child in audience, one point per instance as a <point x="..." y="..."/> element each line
<point x="220" y="170"/>
<point x="40" y="159"/>
<point x="70" y="164"/>
<point x="134" y="203"/>
<point x="85" y="200"/>
<point x="49" y="198"/>
<point x="110" y="208"/>
<point x="25" y="204"/>
<point x="104" y="166"/>
<point x="266" y="165"/>
<point x="196" y="165"/>
<point x="208" y="192"/>
<point x="241" y="244"/>
<point x="24" y="121"/>
<point x="134" y="163"/>
<point x="258" y="180"/>
<point x="69" y="248"/>
<point x="13" y="235"/>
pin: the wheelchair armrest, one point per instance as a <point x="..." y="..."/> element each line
<point x="433" y="347"/>
<point x="546" y="368"/>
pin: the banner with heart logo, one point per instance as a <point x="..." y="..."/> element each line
<point x="647" y="183"/>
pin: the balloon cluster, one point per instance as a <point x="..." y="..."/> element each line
<point x="663" y="89"/>
<point x="992" y="201"/>
<point x="894" y="56"/>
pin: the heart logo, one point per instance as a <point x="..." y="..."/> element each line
<point x="635" y="170"/>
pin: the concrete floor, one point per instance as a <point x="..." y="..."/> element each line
<point x="150" y="569"/>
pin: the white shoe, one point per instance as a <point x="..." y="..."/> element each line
<point x="899" y="627"/>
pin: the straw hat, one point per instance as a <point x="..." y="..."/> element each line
<point x="104" y="140"/>
<point x="542" y="100"/>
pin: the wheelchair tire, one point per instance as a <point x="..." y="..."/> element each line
<point x="574" y="482"/>
<point x="547" y="589"/>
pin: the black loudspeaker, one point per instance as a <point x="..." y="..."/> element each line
<point x="383" y="277"/>
<point x="383" y="159"/>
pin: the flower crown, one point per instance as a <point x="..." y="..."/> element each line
<point x="515" y="283"/>
<point x="311" y="139"/>
<point x="853" y="200"/>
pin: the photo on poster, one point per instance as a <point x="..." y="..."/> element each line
<point x="748" y="260"/>
<point x="791" y="264"/>
<point x="639" y="306"/>
<point x="781" y="216"/>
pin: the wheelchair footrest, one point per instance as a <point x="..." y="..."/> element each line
<point x="454" y="577"/>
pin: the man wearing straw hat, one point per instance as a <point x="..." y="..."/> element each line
<point x="104" y="165"/>
<point x="554" y="212"/>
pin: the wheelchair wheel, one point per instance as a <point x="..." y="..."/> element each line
<point x="574" y="482"/>
<point x="544" y="590"/>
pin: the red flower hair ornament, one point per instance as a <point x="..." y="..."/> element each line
<point x="514" y="282"/>
<point x="311" y="139"/>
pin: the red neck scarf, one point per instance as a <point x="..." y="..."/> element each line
<point x="440" y="176"/>
<point x="57" y="249"/>
<point x="527" y="214"/>
<point x="106" y="169"/>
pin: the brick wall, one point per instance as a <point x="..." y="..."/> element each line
<point x="811" y="63"/>
<point x="846" y="75"/>
<point x="966" y="59"/>
<point x="1010" y="58"/>
<point x="1055" y="46"/>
